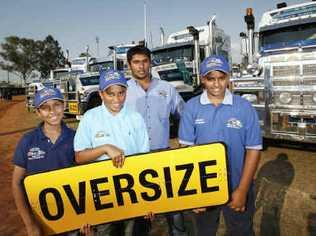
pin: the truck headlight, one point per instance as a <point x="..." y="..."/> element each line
<point x="285" y="98"/>
<point x="250" y="97"/>
<point x="314" y="97"/>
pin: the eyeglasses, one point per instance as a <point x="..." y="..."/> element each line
<point x="58" y="106"/>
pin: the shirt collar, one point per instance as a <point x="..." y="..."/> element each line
<point x="228" y="98"/>
<point x="42" y="136"/>
<point x="109" y="114"/>
<point x="153" y="82"/>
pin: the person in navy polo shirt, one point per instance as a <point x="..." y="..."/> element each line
<point x="219" y="115"/>
<point x="47" y="147"/>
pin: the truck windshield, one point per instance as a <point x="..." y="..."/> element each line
<point x="80" y="61"/>
<point x="173" y="54"/>
<point x="106" y="65"/>
<point x="60" y="74"/>
<point x="91" y="80"/>
<point x="296" y="35"/>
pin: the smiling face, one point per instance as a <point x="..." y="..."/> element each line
<point x="113" y="98"/>
<point x="215" y="84"/>
<point x="140" y="66"/>
<point x="51" y="112"/>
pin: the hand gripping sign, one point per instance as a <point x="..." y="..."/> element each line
<point x="159" y="182"/>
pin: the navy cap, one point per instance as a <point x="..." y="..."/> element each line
<point x="111" y="77"/>
<point x="213" y="63"/>
<point x="47" y="94"/>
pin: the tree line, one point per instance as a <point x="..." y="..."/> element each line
<point x="23" y="56"/>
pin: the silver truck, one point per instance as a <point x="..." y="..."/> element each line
<point x="279" y="71"/>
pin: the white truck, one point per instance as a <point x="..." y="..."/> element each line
<point x="177" y="61"/>
<point x="280" y="78"/>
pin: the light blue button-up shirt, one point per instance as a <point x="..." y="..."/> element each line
<point x="155" y="106"/>
<point x="125" y="130"/>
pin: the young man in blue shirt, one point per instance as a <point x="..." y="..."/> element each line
<point x="111" y="131"/>
<point x="47" y="147"/>
<point x="218" y="115"/>
<point x="155" y="100"/>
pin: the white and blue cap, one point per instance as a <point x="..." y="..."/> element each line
<point x="46" y="94"/>
<point x="111" y="77"/>
<point x="214" y="63"/>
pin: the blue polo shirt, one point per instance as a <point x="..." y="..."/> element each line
<point x="234" y="122"/>
<point x="36" y="153"/>
<point x="125" y="130"/>
<point x="155" y="106"/>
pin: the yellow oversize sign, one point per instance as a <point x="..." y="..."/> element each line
<point x="159" y="182"/>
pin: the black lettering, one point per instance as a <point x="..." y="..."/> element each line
<point x="44" y="206"/>
<point x="151" y="185"/>
<point x="188" y="172"/>
<point x="128" y="189"/>
<point x="204" y="176"/>
<point x="168" y="183"/>
<point x="97" y="193"/>
<point x="78" y="206"/>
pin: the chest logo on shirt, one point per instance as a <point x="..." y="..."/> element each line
<point x="101" y="134"/>
<point x="163" y="93"/>
<point x="234" y="123"/>
<point x="199" y="121"/>
<point x="35" y="153"/>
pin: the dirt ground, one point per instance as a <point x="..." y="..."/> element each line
<point x="286" y="189"/>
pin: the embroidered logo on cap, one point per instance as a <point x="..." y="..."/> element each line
<point x="46" y="92"/>
<point x="214" y="62"/>
<point x="111" y="76"/>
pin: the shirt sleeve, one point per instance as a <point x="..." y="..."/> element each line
<point x="253" y="131"/>
<point x="20" y="154"/>
<point x="186" y="128"/>
<point x="83" y="137"/>
<point x="142" y="135"/>
<point x="177" y="103"/>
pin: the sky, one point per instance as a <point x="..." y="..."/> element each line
<point x="77" y="23"/>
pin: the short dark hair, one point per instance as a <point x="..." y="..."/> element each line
<point x="139" y="49"/>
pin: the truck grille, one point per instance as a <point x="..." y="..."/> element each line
<point x="295" y="98"/>
<point x="283" y="82"/>
<point x="309" y="69"/>
<point x="286" y="71"/>
<point x="309" y="81"/>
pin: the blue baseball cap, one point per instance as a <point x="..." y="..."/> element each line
<point x="111" y="77"/>
<point x="46" y="94"/>
<point x="213" y="63"/>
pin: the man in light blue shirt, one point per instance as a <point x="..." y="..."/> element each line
<point x="155" y="100"/>
<point x="111" y="124"/>
<point x="111" y="130"/>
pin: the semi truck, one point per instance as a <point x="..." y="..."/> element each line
<point x="177" y="60"/>
<point x="279" y="71"/>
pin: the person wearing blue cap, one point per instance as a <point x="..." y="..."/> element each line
<point x="111" y="131"/>
<point x="155" y="100"/>
<point x="47" y="147"/>
<point x="218" y="115"/>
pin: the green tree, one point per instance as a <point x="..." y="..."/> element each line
<point x="19" y="56"/>
<point x="23" y="56"/>
<point x="50" y="56"/>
